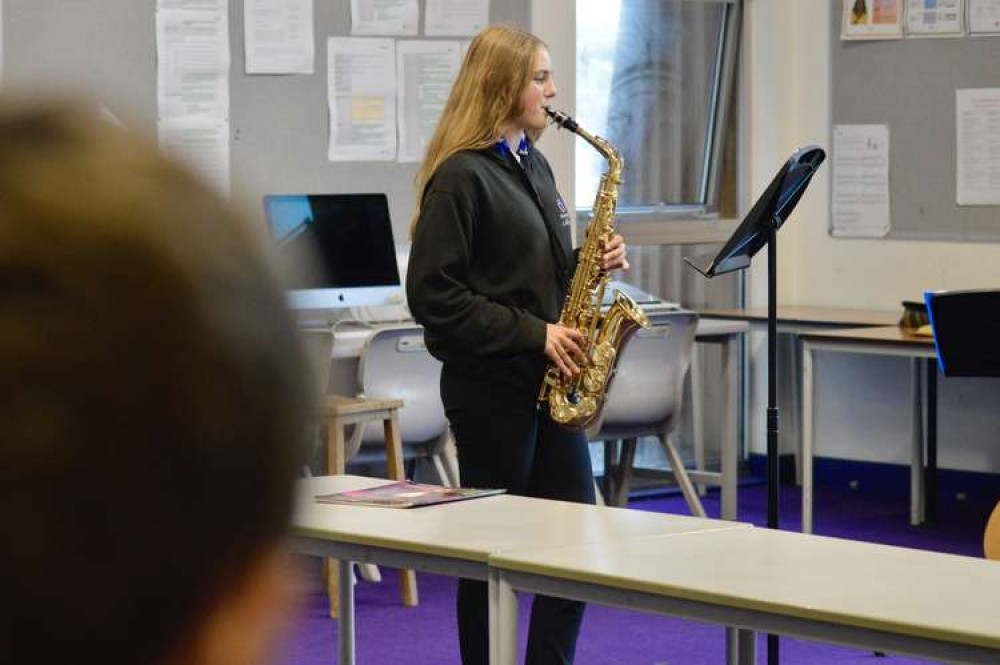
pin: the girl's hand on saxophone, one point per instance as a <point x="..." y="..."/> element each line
<point x="562" y="347"/>
<point x="615" y="252"/>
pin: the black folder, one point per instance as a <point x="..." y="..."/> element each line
<point x="966" y="327"/>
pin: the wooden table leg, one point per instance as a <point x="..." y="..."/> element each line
<point x="335" y="464"/>
<point x="394" y="460"/>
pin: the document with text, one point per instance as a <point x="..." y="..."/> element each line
<point x="860" y="180"/>
<point x="984" y="17"/>
<point x="203" y="143"/>
<point x="362" y="98"/>
<point x="977" y="117"/>
<point x="384" y="17"/>
<point x="426" y="71"/>
<point x="457" y="18"/>
<point x="935" y="18"/>
<point x="278" y="36"/>
<point x="192" y="49"/>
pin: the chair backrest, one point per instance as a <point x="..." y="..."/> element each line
<point x="395" y="363"/>
<point x="317" y="344"/>
<point x="645" y="395"/>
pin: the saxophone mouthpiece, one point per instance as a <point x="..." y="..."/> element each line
<point x="561" y="119"/>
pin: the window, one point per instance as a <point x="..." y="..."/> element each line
<point x="656" y="78"/>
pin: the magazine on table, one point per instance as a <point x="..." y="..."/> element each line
<point x="405" y="494"/>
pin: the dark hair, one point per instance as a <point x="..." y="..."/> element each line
<point x="150" y="394"/>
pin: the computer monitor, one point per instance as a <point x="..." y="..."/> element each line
<point x="340" y="248"/>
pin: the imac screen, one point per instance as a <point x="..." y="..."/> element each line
<point x="340" y="247"/>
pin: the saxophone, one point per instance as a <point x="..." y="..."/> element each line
<point x="577" y="402"/>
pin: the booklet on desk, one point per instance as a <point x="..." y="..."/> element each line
<point x="966" y="327"/>
<point x="404" y="494"/>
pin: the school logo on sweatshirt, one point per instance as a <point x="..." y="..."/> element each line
<point x="563" y="211"/>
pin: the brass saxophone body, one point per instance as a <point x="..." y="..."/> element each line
<point x="577" y="402"/>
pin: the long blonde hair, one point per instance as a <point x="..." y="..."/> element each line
<point x="485" y="97"/>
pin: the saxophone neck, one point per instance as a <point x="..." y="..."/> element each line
<point x="603" y="146"/>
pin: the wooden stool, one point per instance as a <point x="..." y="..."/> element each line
<point x="337" y="412"/>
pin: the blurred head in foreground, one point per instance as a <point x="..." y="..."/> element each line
<point x="150" y="390"/>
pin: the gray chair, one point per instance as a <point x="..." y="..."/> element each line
<point x="395" y="363"/>
<point x="645" y="400"/>
<point x="317" y="346"/>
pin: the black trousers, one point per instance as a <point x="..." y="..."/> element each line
<point x="524" y="452"/>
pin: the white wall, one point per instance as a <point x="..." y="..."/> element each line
<point x="864" y="404"/>
<point x="554" y="22"/>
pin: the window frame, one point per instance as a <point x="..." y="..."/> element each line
<point x="695" y="223"/>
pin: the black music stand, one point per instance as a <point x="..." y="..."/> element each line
<point x="757" y="230"/>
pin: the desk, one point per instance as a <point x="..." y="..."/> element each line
<point x="793" y="320"/>
<point x="889" y="599"/>
<point x="457" y="538"/>
<point x="886" y="341"/>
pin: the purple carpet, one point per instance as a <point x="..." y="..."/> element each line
<point x="389" y="634"/>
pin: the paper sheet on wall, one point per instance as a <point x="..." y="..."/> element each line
<point x="455" y="17"/>
<point x="203" y="143"/>
<point x="210" y="5"/>
<point x="934" y="17"/>
<point x="384" y="17"/>
<point x="426" y="71"/>
<point x="984" y="17"/>
<point x="192" y="63"/>
<point x="362" y="97"/>
<point x="977" y="117"/>
<point x="278" y="35"/>
<point x="872" y="19"/>
<point x="860" y="180"/>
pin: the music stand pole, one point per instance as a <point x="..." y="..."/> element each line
<point x="772" y="402"/>
<point x="759" y="229"/>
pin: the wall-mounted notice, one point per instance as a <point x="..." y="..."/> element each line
<point x="977" y="116"/>
<point x="384" y="17"/>
<point x="934" y="18"/>
<point x="202" y="143"/>
<point x="459" y="18"/>
<point x="860" y="180"/>
<point x="278" y="36"/>
<point x="872" y="19"/>
<point x="192" y="48"/>
<point x="984" y="17"/>
<point x="362" y="98"/>
<point x="208" y="5"/>
<point x="192" y="85"/>
<point x="426" y="71"/>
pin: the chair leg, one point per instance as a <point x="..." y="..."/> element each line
<point x="451" y="461"/>
<point x="623" y="480"/>
<point x="437" y="461"/>
<point x="680" y="474"/>
<point x="698" y="411"/>
<point x="608" y="487"/>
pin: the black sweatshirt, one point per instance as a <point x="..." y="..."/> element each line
<point x="490" y="264"/>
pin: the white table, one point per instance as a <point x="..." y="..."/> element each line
<point x="889" y="599"/>
<point x="458" y="538"/>
<point x="793" y="321"/>
<point x="883" y="341"/>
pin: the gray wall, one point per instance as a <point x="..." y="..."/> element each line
<point x="910" y="85"/>
<point x="107" y="50"/>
